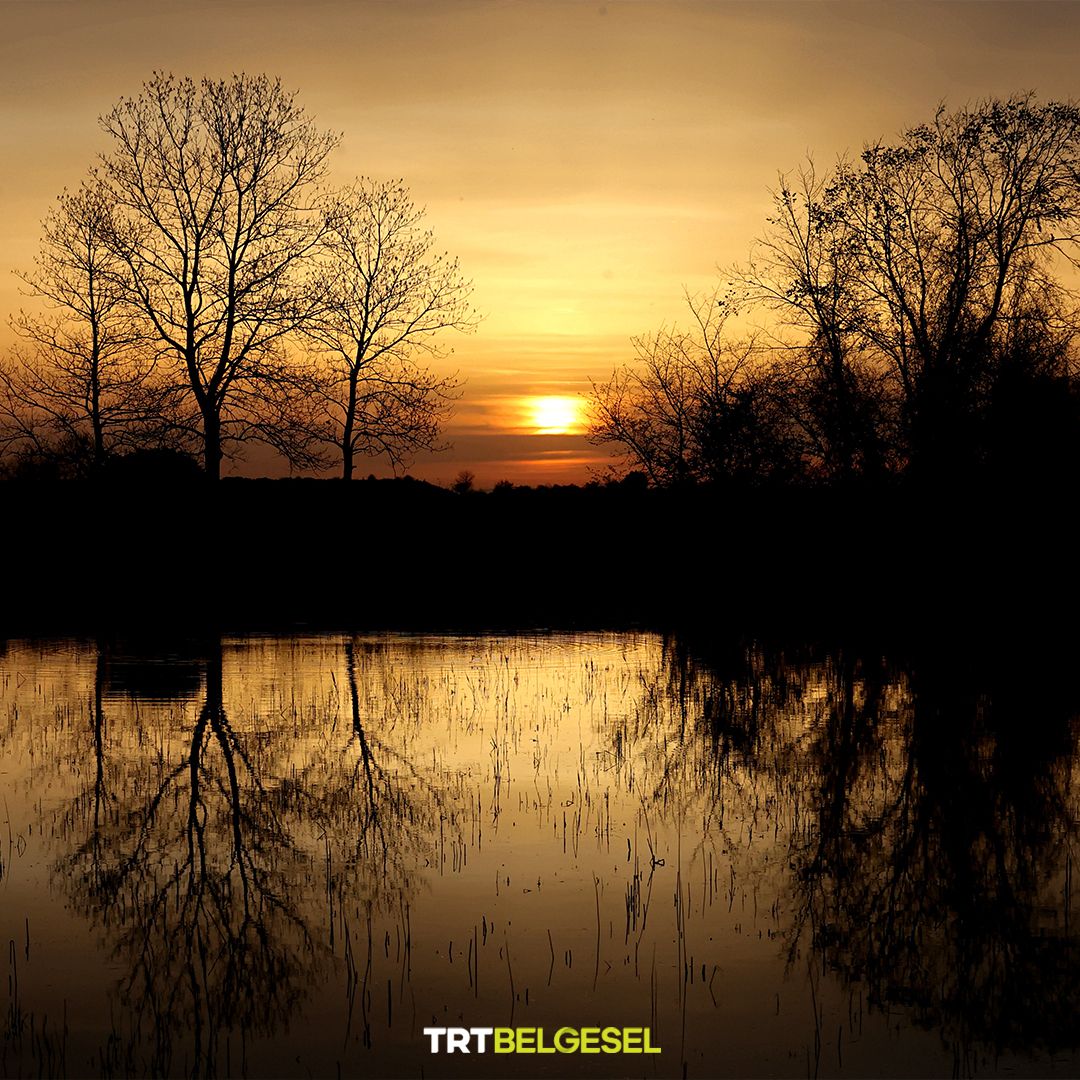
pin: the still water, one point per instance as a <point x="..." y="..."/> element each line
<point x="289" y="855"/>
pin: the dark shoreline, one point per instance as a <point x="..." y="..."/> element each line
<point x="247" y="556"/>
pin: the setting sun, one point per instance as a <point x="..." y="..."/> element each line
<point x="555" y="415"/>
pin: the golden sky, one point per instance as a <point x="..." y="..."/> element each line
<point x="586" y="161"/>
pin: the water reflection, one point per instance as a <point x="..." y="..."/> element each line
<point x="932" y="817"/>
<point x="289" y="855"/>
<point x="937" y="871"/>
<point x="187" y="858"/>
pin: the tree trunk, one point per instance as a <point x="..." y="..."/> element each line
<point x="350" y="420"/>
<point x="95" y="414"/>
<point x="212" y="446"/>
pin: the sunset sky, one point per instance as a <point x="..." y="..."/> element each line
<point x="586" y="161"/>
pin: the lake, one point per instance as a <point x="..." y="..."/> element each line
<point x="289" y="855"/>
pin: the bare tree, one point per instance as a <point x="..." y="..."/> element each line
<point x="84" y="383"/>
<point x="695" y="407"/>
<point x="803" y="271"/>
<point x="384" y="295"/>
<point x="930" y="256"/>
<point x="215" y="186"/>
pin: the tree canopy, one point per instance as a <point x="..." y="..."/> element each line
<point x="208" y="288"/>
<point x="382" y="296"/>
<point x="216" y="189"/>
<point x="907" y="288"/>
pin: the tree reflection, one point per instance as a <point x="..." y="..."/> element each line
<point x="935" y="866"/>
<point x="215" y="856"/>
<point x="193" y="870"/>
<point x="928" y="810"/>
<point x="382" y="810"/>
<point x="907" y="823"/>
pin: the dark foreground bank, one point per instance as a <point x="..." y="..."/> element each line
<point x="278" y="554"/>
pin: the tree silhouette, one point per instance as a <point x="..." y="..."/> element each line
<point x="833" y="388"/>
<point x="927" y="260"/>
<point x="696" y="407"/>
<point x="920" y="319"/>
<point x="215" y="189"/>
<point x="383" y="295"/>
<point x="86" y="386"/>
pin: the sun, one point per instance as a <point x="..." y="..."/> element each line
<point x="555" y="415"/>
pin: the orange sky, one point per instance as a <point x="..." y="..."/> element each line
<point x="586" y="161"/>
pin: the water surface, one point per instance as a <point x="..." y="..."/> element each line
<point x="288" y="855"/>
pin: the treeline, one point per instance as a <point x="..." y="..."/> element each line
<point x="203" y="287"/>
<point x="920" y="322"/>
<point x="247" y="554"/>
